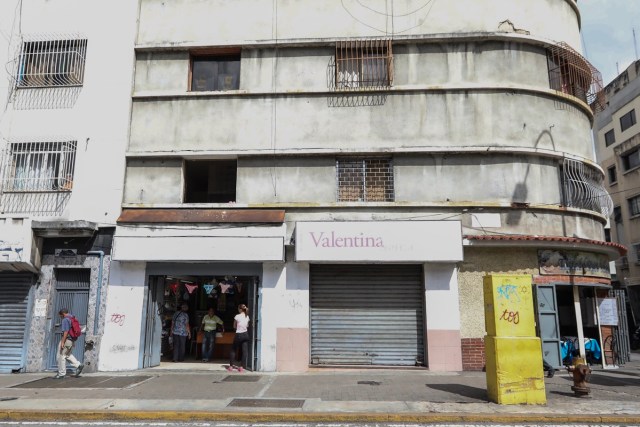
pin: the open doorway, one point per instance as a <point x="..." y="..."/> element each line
<point x="569" y="328"/>
<point x="223" y="294"/>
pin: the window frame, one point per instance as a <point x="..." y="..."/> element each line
<point x="633" y="204"/>
<point x="609" y="141"/>
<point x="189" y="170"/>
<point x="51" y="63"/>
<point x="214" y="54"/>
<point x="628" y="120"/>
<point x="357" y="68"/>
<point x="624" y="158"/>
<point x="612" y="171"/>
<point x="39" y="167"/>
<point x="366" y="179"/>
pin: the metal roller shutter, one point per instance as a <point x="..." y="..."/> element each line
<point x="14" y="302"/>
<point x="367" y="314"/>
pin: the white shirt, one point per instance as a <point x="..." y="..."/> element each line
<point x="242" y="322"/>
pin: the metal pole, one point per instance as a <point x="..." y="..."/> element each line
<point x="578" y="310"/>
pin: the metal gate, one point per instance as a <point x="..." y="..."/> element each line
<point x="548" y="325"/>
<point x="15" y="306"/>
<point x="72" y="293"/>
<point x="620" y="345"/>
<point x="367" y="314"/>
<point x="153" y="326"/>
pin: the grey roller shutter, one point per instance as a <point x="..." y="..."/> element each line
<point x="367" y="314"/>
<point x="15" y="291"/>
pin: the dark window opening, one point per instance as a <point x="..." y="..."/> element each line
<point x="617" y="215"/>
<point x="212" y="181"/>
<point x="634" y="205"/>
<point x="631" y="159"/>
<point x="613" y="176"/>
<point x="628" y="120"/>
<point x="215" y="72"/>
<point x="609" y="138"/>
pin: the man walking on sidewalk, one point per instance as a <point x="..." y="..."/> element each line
<point x="66" y="347"/>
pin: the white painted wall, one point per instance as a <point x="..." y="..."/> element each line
<point x="284" y="303"/>
<point x="120" y="346"/>
<point x="442" y="302"/>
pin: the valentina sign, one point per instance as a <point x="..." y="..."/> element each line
<point x="332" y="240"/>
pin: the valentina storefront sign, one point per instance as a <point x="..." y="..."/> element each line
<point x="391" y="241"/>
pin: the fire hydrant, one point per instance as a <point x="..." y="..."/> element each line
<point x="581" y="375"/>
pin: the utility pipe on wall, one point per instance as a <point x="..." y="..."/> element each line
<point x="96" y="319"/>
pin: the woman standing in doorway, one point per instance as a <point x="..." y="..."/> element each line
<point x="241" y="340"/>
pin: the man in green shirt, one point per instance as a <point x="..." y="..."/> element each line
<point x="210" y="324"/>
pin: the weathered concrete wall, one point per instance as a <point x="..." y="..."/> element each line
<point x="221" y="22"/>
<point x="154" y="181"/>
<point x="479" y="262"/>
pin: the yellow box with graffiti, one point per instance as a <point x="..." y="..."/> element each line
<point x="508" y="306"/>
<point x="514" y="370"/>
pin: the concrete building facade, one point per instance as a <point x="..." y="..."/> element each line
<point x="617" y="135"/>
<point x="65" y="97"/>
<point x="350" y="171"/>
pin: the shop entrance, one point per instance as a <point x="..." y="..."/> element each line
<point x="367" y="315"/>
<point x="167" y="293"/>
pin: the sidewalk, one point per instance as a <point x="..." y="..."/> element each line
<point x="188" y="392"/>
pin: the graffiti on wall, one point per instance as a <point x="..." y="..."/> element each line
<point x="10" y="251"/>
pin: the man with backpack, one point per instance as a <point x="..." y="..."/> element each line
<point x="70" y="332"/>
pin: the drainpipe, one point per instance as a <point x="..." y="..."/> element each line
<point x="99" y="290"/>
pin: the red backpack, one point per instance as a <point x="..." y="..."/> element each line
<point x="75" y="330"/>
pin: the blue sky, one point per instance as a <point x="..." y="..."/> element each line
<point x="607" y="34"/>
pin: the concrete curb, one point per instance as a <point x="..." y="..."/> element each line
<point x="329" y="417"/>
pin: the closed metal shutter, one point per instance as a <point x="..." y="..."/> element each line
<point x="14" y="302"/>
<point x="367" y="314"/>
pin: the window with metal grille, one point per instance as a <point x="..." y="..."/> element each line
<point x="571" y="73"/>
<point x="610" y="137"/>
<point x="364" y="64"/>
<point x="583" y="188"/>
<point x="628" y="120"/>
<point x="38" y="167"/>
<point x="634" y="205"/>
<point x="365" y="180"/>
<point x="631" y="159"/>
<point x="217" y="72"/>
<point x="51" y="63"/>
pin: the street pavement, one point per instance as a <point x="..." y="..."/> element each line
<point x="207" y="392"/>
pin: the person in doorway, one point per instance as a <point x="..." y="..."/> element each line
<point x="210" y="324"/>
<point x="66" y="347"/>
<point x="241" y="340"/>
<point x="180" y="331"/>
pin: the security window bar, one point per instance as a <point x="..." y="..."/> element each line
<point x="364" y="64"/>
<point x="365" y="180"/>
<point x="634" y="205"/>
<point x="628" y="120"/>
<point x="572" y="74"/>
<point x="38" y="167"/>
<point x="51" y="63"/>
<point x="583" y="188"/>
<point x="610" y="138"/>
<point x="631" y="159"/>
<point x="215" y="72"/>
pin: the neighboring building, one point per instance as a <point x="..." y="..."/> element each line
<point x="617" y="135"/>
<point x="351" y="172"/>
<point x="64" y="113"/>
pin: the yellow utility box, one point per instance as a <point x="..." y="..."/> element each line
<point x="513" y="352"/>
<point x="514" y="370"/>
<point x="508" y="306"/>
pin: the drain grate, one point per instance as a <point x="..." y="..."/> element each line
<point x="266" y="403"/>
<point x="241" y="378"/>
<point x="369" y="383"/>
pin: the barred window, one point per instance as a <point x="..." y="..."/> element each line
<point x="51" y="63"/>
<point x="364" y="64"/>
<point x="39" y="166"/>
<point x="583" y="188"/>
<point x="365" y="180"/>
